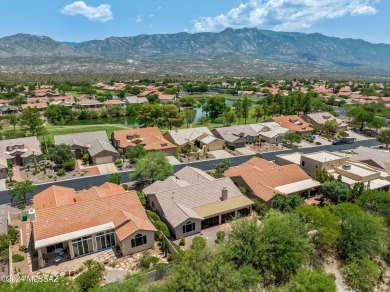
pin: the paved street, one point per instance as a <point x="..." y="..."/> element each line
<point x="84" y="182"/>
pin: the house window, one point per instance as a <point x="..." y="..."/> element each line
<point x="188" y="227"/>
<point x="152" y="205"/>
<point x="303" y="163"/>
<point x="138" y="240"/>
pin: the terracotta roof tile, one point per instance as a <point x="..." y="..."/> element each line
<point x="293" y="122"/>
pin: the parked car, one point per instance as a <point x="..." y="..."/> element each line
<point x="346" y="140"/>
<point x="313" y="137"/>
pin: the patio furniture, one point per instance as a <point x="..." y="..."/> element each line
<point x="59" y="250"/>
<point x="57" y="259"/>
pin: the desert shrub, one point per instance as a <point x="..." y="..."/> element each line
<point x="231" y="146"/>
<point x="163" y="228"/>
<point x="362" y="274"/>
<point x="153" y="215"/>
<point x="220" y="236"/>
<point x="318" y="143"/>
<point x="69" y="165"/>
<point x="61" y="172"/>
<point x="13" y="233"/>
<point x="118" y="161"/>
<point x="198" y="242"/>
<point x="343" y="134"/>
<point x="16" y="258"/>
<point x="22" y="248"/>
<point x="259" y="155"/>
<point x="182" y="241"/>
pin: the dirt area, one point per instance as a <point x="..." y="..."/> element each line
<point x="265" y="147"/>
<point x="49" y="174"/>
<point x="190" y="157"/>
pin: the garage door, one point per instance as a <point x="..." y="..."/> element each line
<point x="104" y="159"/>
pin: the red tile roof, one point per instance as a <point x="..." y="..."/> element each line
<point x="293" y="123"/>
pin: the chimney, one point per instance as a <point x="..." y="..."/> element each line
<point x="224" y="194"/>
<point x="31" y="215"/>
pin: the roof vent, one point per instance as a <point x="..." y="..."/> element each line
<point x="224" y="194"/>
<point x="31" y="215"/>
<point x="347" y="166"/>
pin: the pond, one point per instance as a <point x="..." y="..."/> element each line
<point x="131" y="121"/>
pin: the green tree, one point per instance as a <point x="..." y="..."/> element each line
<point x="362" y="274"/>
<point x="56" y="113"/>
<point x="135" y="153"/>
<point x="292" y="137"/>
<point x="189" y="116"/>
<point x="361" y="232"/>
<point x="206" y="270"/>
<point x="148" y="114"/>
<point x="361" y="116"/>
<point x="322" y="175"/>
<point x="154" y="166"/>
<point x="258" y="112"/>
<point x="214" y="107"/>
<point x="306" y="280"/>
<point x="377" y="123"/>
<point x="287" y="203"/>
<point x="384" y="137"/>
<point x="246" y="106"/>
<point x="30" y="120"/>
<point x="170" y="116"/>
<point x="377" y="202"/>
<point x="21" y="189"/>
<point x="324" y="221"/>
<point x="336" y="191"/>
<point x="13" y="120"/>
<point x="229" y="117"/>
<point x="60" y="153"/>
<point x="115" y="178"/>
<point x="221" y="167"/>
<point x="91" y="277"/>
<point x="330" y="127"/>
<point x="238" y="109"/>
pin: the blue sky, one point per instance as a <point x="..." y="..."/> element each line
<point x="70" y="20"/>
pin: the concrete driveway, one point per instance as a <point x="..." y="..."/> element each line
<point x="245" y="151"/>
<point x="107" y="168"/>
<point x="220" y="154"/>
<point x="322" y="140"/>
<point x="357" y="136"/>
<point x="173" y="160"/>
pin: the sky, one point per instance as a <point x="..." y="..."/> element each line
<point x="77" y="21"/>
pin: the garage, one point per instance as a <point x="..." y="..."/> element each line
<point x="104" y="159"/>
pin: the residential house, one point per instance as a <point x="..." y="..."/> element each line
<point x="32" y="100"/>
<point x="350" y="172"/>
<point x="192" y="200"/>
<point x="265" y="180"/>
<point x="111" y="102"/>
<point x="237" y="135"/>
<point x="133" y="99"/>
<point x="271" y="132"/>
<point x="40" y="106"/>
<point x="293" y="123"/>
<point x="165" y="98"/>
<point x="319" y="119"/>
<point x="200" y="137"/>
<point x="20" y="151"/>
<point x="379" y="158"/>
<point x="84" y="222"/>
<point x="96" y="144"/>
<point x="385" y="100"/>
<point x="150" y="138"/>
<point x="89" y="104"/>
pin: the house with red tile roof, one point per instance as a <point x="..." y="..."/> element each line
<point x="265" y="180"/>
<point x="293" y="123"/>
<point x="75" y="224"/>
<point x="39" y="106"/>
<point x="150" y="138"/>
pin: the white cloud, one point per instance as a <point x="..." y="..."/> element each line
<point x="140" y="18"/>
<point x="100" y="13"/>
<point x="284" y="14"/>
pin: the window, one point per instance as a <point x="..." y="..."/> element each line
<point x="210" y="222"/>
<point x="188" y="227"/>
<point x="105" y="240"/>
<point x="138" y="240"/>
<point x="303" y="163"/>
<point x="152" y="205"/>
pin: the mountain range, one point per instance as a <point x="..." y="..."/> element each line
<point x="232" y="51"/>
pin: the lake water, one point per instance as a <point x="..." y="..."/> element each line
<point x="130" y="121"/>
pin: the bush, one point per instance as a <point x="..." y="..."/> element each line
<point x="163" y="228"/>
<point x="118" y="161"/>
<point x="362" y="274"/>
<point x="16" y="258"/>
<point x="85" y="158"/>
<point x="61" y="172"/>
<point x="22" y="248"/>
<point x="259" y="206"/>
<point x="142" y="198"/>
<point x="153" y="215"/>
<point x="125" y="186"/>
<point x="318" y="143"/>
<point x="312" y="281"/>
<point x="220" y="236"/>
<point x="242" y="190"/>
<point x="343" y="134"/>
<point x="259" y="155"/>
<point x="13" y="233"/>
<point x="231" y="146"/>
<point x="145" y="261"/>
<point x="115" y="178"/>
<point x="182" y="241"/>
<point x="198" y="242"/>
<point x="69" y="165"/>
<point x="91" y="277"/>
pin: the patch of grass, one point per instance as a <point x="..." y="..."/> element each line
<point x="16" y="258"/>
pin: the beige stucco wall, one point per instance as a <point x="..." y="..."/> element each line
<point x="214" y="145"/>
<point x="125" y="245"/>
<point x="105" y="153"/>
<point x="179" y="230"/>
<point x="311" y="165"/>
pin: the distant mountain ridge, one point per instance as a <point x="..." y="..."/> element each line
<point x="222" y="51"/>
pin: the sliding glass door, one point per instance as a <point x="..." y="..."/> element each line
<point x="105" y="240"/>
<point x="82" y="246"/>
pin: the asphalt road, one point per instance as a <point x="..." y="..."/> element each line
<point x="85" y="182"/>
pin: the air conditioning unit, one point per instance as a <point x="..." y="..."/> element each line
<point x="31" y="215"/>
<point x="347" y="166"/>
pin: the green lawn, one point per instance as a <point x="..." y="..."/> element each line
<point x="57" y="130"/>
